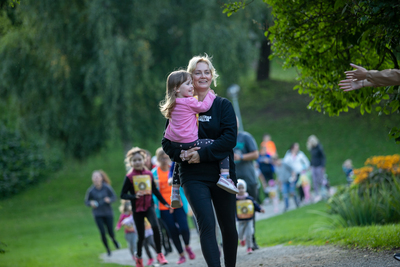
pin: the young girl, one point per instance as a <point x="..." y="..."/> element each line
<point x="126" y="220"/>
<point x="305" y="183"/>
<point x="180" y="107"/>
<point x="138" y="188"/>
<point x="245" y="208"/>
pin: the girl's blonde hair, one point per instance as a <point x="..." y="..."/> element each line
<point x="206" y="59"/>
<point x="133" y="151"/>
<point x="125" y="206"/>
<point x="159" y="153"/>
<point x="174" y="81"/>
<point x="103" y="175"/>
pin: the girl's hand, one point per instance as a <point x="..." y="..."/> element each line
<point x="170" y="181"/>
<point x="359" y="74"/>
<point x="139" y="194"/>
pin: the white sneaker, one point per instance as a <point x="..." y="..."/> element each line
<point x="175" y="200"/>
<point x="228" y="185"/>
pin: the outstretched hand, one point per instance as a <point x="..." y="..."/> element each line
<point x="359" y="74"/>
<point x="350" y="85"/>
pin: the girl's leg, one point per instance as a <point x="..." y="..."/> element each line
<point x="306" y="189"/>
<point x="100" y="221"/>
<point x="169" y="220"/>
<point x="139" y="222"/>
<point x="152" y="217"/>
<point x="181" y="219"/>
<point x="131" y="240"/>
<point x="285" y="193"/>
<point x="249" y="230"/>
<point x="199" y="197"/>
<point x="147" y="246"/>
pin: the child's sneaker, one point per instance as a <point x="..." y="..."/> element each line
<point x="243" y="243"/>
<point x="189" y="251"/>
<point x="161" y="259"/>
<point x="150" y="262"/>
<point x="181" y="260"/>
<point x="139" y="262"/>
<point x="249" y="250"/>
<point x="175" y="198"/>
<point x="227" y="184"/>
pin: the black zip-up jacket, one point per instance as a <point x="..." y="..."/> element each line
<point x="218" y="123"/>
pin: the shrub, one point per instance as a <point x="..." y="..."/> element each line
<point x="373" y="196"/>
<point x="22" y="163"/>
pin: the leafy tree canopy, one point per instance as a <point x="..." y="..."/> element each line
<point x="321" y="37"/>
<point x="84" y="72"/>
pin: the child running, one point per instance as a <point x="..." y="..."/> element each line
<point x="245" y="208"/>
<point x="138" y="188"/>
<point x="180" y="107"/>
<point x="126" y="220"/>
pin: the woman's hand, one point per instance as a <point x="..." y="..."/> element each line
<point x="350" y="84"/>
<point x="107" y="200"/>
<point x="191" y="155"/>
<point x="359" y="74"/>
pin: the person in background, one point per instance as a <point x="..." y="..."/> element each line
<point x="299" y="162"/>
<point x="305" y="183"/>
<point x="273" y="193"/>
<point x="318" y="161"/>
<point x="245" y="153"/>
<point x="126" y="220"/>
<point x="138" y="187"/>
<point x="348" y="170"/>
<point x="176" y="221"/>
<point x="265" y="164"/>
<point x="99" y="197"/>
<point x="269" y="145"/>
<point x="200" y="171"/>
<point x="246" y="206"/>
<point x="361" y="77"/>
<point x="286" y="177"/>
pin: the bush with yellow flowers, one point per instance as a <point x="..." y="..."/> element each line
<point x="373" y="197"/>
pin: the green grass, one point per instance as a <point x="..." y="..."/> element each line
<point x="49" y="225"/>
<point x="304" y="226"/>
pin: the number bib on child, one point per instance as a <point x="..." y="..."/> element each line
<point x="244" y="209"/>
<point x="142" y="183"/>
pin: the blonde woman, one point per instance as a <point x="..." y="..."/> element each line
<point x="200" y="168"/>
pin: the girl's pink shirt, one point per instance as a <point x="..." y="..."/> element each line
<point x="182" y="127"/>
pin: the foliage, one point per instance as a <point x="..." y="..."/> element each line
<point x="373" y="196"/>
<point x="320" y="38"/>
<point x="22" y="163"/>
<point x="85" y="72"/>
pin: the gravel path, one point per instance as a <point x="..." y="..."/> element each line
<point x="277" y="256"/>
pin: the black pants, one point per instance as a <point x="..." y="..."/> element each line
<point x="150" y="214"/>
<point x="108" y="222"/>
<point x="201" y="196"/>
<point x="300" y="188"/>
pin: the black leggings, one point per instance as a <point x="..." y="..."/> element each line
<point x="108" y="221"/>
<point x="223" y="164"/>
<point x="201" y="196"/>
<point x="150" y="214"/>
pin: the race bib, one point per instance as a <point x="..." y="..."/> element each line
<point x="142" y="183"/>
<point x="244" y="208"/>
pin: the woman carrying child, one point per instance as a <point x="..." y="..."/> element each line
<point x="138" y="187"/>
<point x="200" y="168"/>
<point x="180" y="107"/>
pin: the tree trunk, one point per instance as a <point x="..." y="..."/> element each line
<point x="263" y="61"/>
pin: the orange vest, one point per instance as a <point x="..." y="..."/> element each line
<point x="165" y="189"/>
<point x="269" y="147"/>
